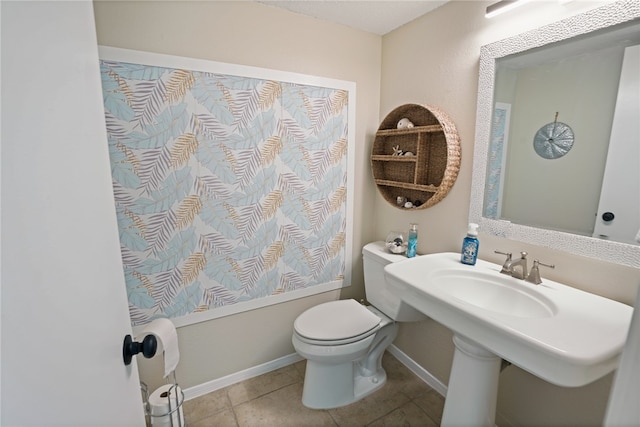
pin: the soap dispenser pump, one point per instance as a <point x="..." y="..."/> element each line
<point x="470" y="245"/>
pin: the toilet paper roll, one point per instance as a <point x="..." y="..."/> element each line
<point x="165" y="332"/>
<point x="162" y="401"/>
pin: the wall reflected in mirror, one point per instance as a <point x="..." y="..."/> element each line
<point x="581" y="99"/>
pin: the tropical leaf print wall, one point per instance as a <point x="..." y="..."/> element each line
<point x="227" y="188"/>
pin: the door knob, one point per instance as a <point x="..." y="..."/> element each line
<point x="608" y="216"/>
<point x="130" y="348"/>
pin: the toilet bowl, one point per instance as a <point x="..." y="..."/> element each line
<point x="343" y="341"/>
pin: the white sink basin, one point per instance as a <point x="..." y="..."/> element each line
<point x="494" y="294"/>
<point x="561" y="334"/>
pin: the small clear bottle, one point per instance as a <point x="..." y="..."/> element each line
<point x="470" y="246"/>
<point x="413" y="241"/>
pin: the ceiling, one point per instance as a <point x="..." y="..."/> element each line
<point x="373" y="16"/>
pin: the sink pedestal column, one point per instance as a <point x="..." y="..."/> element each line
<point x="473" y="386"/>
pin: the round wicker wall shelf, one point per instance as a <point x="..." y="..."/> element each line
<point x="417" y="164"/>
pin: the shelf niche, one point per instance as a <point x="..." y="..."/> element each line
<point x="428" y="174"/>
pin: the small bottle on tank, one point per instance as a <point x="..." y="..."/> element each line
<point x="412" y="247"/>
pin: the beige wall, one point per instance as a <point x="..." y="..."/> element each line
<point x="253" y="34"/>
<point x="434" y="60"/>
<point x="562" y="194"/>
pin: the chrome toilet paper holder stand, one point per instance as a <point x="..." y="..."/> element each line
<point x="173" y="398"/>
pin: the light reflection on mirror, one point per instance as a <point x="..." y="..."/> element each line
<point x="576" y="79"/>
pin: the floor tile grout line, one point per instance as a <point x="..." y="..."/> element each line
<point x="264" y="394"/>
<point x="231" y="406"/>
<point x="435" y="421"/>
<point x="335" y="422"/>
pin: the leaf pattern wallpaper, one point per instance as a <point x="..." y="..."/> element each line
<point x="227" y="188"/>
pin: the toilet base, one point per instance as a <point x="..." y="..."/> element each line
<point x="333" y="386"/>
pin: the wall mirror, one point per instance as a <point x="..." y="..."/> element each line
<point x="550" y="112"/>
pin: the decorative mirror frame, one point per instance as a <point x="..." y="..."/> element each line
<point x="596" y="19"/>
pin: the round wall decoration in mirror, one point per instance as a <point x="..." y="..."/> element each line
<point x="416" y="156"/>
<point x="553" y="140"/>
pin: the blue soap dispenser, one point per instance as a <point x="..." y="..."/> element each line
<point x="412" y="247"/>
<point x="470" y="245"/>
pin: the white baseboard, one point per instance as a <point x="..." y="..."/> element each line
<point x="217" y="384"/>
<point x="236" y="377"/>
<point x="422" y="373"/>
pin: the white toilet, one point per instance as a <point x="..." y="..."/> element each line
<point x="343" y="341"/>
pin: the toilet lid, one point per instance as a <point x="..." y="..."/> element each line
<point x="335" y="320"/>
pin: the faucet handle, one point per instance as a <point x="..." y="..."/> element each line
<point x="534" y="275"/>
<point x="505" y="270"/>
<point x="508" y="254"/>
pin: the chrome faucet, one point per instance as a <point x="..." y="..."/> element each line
<point x="511" y="266"/>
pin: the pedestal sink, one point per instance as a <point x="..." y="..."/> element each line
<point x="561" y="334"/>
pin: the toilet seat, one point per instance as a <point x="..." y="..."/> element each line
<point x="335" y="323"/>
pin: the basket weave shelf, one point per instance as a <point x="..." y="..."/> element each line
<point x="417" y="129"/>
<point x="428" y="188"/>
<point x="428" y="174"/>
<point x="388" y="158"/>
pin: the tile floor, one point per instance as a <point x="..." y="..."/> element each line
<point x="274" y="399"/>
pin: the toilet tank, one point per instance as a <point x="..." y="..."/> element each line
<point x="375" y="258"/>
